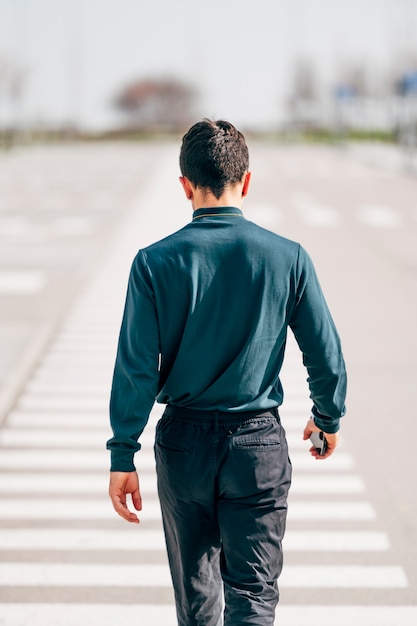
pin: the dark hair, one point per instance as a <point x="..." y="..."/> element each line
<point x="214" y="155"/>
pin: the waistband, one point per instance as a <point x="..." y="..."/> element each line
<point x="218" y="416"/>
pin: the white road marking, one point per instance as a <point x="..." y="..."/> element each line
<point x="21" y="282"/>
<point x="54" y="459"/>
<point x="84" y="575"/>
<point x="336" y="541"/>
<point x="344" y="576"/>
<point x="70" y="509"/>
<point x="85" y="483"/>
<point x="72" y="419"/>
<point x="40" y="614"/>
<point x="330" y="511"/>
<point x="133" y="538"/>
<point x="99" y="460"/>
<point x="266" y="215"/>
<point x="73" y="508"/>
<point x="35" y="438"/>
<point x="379" y="216"/>
<point x="61" y="437"/>
<point x="66" y="403"/>
<point x="62" y="420"/>
<point x="91" y="483"/>
<point x="343" y="484"/>
<point x="156" y="575"/>
<point x="382" y="615"/>
<point x="313" y="212"/>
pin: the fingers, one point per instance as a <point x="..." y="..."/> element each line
<point x="320" y="457"/>
<point x="332" y="441"/>
<point x="120" y="506"/>
<point x="121" y="484"/>
<point x="137" y="500"/>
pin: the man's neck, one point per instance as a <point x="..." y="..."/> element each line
<point x="203" y="198"/>
<point x="207" y="200"/>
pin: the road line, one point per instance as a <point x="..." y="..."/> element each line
<point x="313" y="212"/>
<point x="266" y="215"/>
<point x="39" y="614"/>
<point x="380" y="615"/>
<point x="129" y="539"/>
<point x="66" y="403"/>
<point x="343" y="576"/>
<point x="100" y="508"/>
<point x="89" y="615"/>
<point x="95" y="483"/>
<point x="37" y="437"/>
<point x="157" y="575"/>
<point x="379" y="216"/>
<point x="21" y="282"/>
<point x="89" y="483"/>
<point x="133" y="538"/>
<point x="63" y="459"/>
<point x="70" y="509"/>
<point x="84" y="575"/>
<point x="336" y="541"/>
<point x="330" y="484"/>
<point x="330" y="511"/>
<point x="62" y="420"/>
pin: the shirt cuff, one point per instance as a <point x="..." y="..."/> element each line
<point x="122" y="461"/>
<point x="326" y="424"/>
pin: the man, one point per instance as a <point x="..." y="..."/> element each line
<point x="204" y="332"/>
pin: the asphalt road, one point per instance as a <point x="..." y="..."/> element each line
<point x="71" y="219"/>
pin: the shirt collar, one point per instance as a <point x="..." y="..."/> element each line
<point x="218" y="211"/>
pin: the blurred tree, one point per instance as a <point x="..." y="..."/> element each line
<point x="156" y="104"/>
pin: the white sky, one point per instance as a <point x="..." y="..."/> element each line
<point x="237" y="53"/>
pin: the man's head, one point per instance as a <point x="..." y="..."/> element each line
<point x="214" y="156"/>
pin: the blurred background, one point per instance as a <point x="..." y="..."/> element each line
<point x="94" y="68"/>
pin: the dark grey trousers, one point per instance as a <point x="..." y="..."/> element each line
<point x="223" y="482"/>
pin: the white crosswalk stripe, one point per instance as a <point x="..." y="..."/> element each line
<point x="98" y="539"/>
<point x="115" y="575"/>
<point x="380" y="216"/>
<point x="156" y="615"/>
<point x="315" y="213"/>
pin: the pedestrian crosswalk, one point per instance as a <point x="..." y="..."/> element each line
<point x="61" y="539"/>
<point x="66" y="559"/>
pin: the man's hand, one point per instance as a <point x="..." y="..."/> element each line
<point x="122" y="483"/>
<point x="332" y="440"/>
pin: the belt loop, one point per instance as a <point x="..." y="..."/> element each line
<point x="216" y="421"/>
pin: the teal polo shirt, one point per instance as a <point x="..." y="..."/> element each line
<point x="205" y="326"/>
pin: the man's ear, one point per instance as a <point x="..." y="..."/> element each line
<point x="186" y="185"/>
<point x="246" y="183"/>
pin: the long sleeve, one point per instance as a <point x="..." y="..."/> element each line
<point x="136" y="374"/>
<point x="317" y="337"/>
